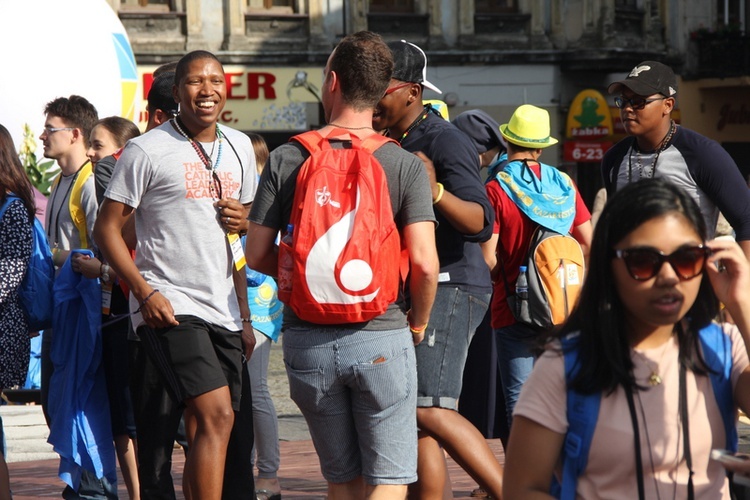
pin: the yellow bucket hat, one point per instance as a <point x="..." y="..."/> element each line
<point x="528" y="127"/>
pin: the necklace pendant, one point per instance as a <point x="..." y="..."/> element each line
<point x="654" y="379"/>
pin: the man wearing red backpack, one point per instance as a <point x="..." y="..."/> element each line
<point x="355" y="381"/>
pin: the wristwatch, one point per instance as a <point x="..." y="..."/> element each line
<point x="105" y="273"/>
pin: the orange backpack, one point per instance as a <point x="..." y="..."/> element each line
<point x="346" y="249"/>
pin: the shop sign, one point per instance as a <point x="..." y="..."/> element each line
<point x="585" y="152"/>
<point x="729" y="115"/>
<point x="589" y="116"/>
<point x="258" y="98"/>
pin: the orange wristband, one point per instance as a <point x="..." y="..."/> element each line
<point x="418" y="330"/>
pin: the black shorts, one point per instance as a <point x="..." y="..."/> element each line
<point x="196" y="357"/>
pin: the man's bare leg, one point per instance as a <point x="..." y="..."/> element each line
<point x="347" y="491"/>
<point x="208" y="421"/>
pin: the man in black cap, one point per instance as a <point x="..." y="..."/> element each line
<point x="659" y="148"/>
<point x="464" y="288"/>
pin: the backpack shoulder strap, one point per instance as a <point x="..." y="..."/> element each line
<point x="375" y="141"/>
<point x="9" y="198"/>
<point x="582" y="413"/>
<point x="311" y="140"/>
<point x="717" y="353"/>
<point x="77" y="213"/>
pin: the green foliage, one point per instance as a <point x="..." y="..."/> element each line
<point x="40" y="173"/>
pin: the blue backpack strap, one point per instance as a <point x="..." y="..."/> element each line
<point x="582" y="413"/>
<point x="717" y="353"/>
<point x="9" y="198"/>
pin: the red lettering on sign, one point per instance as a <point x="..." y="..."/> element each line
<point x="148" y="80"/>
<point x="231" y="84"/>
<point x="256" y="81"/>
<point x="259" y="86"/>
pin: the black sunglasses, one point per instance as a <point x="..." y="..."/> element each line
<point x="644" y="263"/>
<point x="637" y="103"/>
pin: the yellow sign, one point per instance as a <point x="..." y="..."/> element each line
<point x="258" y="98"/>
<point x="589" y="116"/>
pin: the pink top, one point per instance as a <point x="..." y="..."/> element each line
<point x="610" y="471"/>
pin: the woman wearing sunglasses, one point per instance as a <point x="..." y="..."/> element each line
<point x="647" y="295"/>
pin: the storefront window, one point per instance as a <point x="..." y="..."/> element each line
<point x="732" y="13"/>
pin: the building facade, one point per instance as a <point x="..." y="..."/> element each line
<point x="489" y="54"/>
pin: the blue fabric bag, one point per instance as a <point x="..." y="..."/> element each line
<point x="35" y="291"/>
<point x="81" y="429"/>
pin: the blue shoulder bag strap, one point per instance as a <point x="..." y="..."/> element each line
<point x="717" y="353"/>
<point x="582" y="413"/>
<point x="8" y="199"/>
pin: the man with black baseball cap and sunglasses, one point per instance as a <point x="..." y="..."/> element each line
<point x="658" y="147"/>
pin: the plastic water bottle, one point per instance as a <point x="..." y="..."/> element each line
<point x="286" y="264"/>
<point x="522" y="294"/>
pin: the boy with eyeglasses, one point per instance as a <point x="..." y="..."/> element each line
<point x="658" y="147"/>
<point x="71" y="212"/>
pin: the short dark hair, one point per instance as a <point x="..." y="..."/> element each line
<point x="604" y="350"/>
<point x="182" y="65"/>
<point x="165" y="68"/>
<point x="121" y="129"/>
<point x="364" y="64"/>
<point x="75" y="111"/>
<point x="160" y="95"/>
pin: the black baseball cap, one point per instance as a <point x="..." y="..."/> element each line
<point x="481" y="128"/>
<point x="160" y="95"/>
<point x="410" y="64"/>
<point x="647" y="78"/>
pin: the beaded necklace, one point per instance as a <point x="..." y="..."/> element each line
<point x="416" y="123"/>
<point x="205" y="158"/>
<point x="663" y="145"/>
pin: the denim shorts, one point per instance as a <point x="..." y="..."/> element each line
<point x="357" y="391"/>
<point x="441" y="356"/>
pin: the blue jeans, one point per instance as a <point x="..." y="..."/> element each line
<point x="514" y="355"/>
